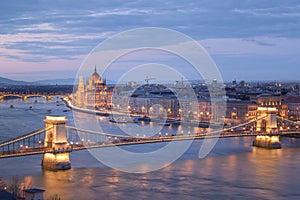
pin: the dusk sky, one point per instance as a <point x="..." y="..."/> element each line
<point x="249" y="39"/>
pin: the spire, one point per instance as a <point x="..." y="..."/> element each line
<point x="95" y="69"/>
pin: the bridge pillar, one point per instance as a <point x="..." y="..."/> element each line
<point x="269" y="123"/>
<point x="57" y="155"/>
<point x="268" y="127"/>
<point x="267" y="141"/>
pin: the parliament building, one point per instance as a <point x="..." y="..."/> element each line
<point x="94" y="93"/>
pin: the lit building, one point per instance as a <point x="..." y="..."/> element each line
<point x="293" y="104"/>
<point x="240" y="110"/>
<point x="94" y="94"/>
<point x="204" y="110"/>
<point x="267" y="100"/>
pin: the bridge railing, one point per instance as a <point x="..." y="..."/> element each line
<point x="25" y="144"/>
<point x="23" y="137"/>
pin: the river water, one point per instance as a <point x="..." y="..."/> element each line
<point x="233" y="169"/>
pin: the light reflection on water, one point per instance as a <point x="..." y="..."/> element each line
<point x="233" y="170"/>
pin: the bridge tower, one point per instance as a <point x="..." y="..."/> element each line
<point x="57" y="155"/>
<point x="267" y="125"/>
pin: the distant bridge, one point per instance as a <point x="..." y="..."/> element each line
<point x="24" y="97"/>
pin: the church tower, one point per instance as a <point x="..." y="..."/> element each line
<point x="80" y="93"/>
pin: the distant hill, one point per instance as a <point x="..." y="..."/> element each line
<point x="6" y="81"/>
<point x="68" y="81"/>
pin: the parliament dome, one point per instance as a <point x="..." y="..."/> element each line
<point x="95" y="77"/>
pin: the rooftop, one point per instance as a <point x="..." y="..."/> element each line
<point x="34" y="190"/>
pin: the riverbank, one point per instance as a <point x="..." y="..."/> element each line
<point x="113" y="113"/>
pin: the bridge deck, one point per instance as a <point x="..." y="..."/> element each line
<point x="42" y="150"/>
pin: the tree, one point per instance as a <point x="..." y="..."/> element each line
<point x="2" y="185"/>
<point x="13" y="186"/>
<point x="16" y="186"/>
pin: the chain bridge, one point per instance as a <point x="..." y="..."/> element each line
<point x="57" y="140"/>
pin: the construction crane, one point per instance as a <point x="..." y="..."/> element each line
<point x="147" y="79"/>
<point x="182" y="83"/>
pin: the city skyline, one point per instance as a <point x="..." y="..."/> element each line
<point x="247" y="40"/>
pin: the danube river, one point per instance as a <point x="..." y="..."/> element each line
<point x="233" y="170"/>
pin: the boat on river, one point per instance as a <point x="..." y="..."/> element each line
<point x="120" y="120"/>
<point x="165" y="123"/>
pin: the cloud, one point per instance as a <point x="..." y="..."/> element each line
<point x="38" y="27"/>
<point x="270" y="46"/>
<point x="43" y="32"/>
<point x="127" y="11"/>
<point x="51" y="44"/>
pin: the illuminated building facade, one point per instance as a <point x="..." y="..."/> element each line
<point x="293" y="107"/>
<point x="95" y="94"/>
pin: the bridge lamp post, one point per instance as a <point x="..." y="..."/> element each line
<point x="233" y="114"/>
<point x="179" y="112"/>
<point x="129" y="108"/>
<point x="143" y="109"/>
<point x="247" y="116"/>
<point x="170" y="111"/>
